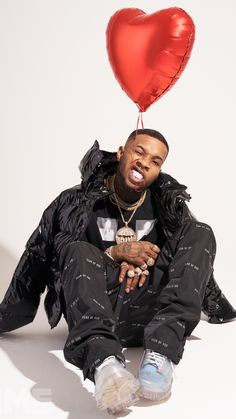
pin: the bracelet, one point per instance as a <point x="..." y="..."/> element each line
<point x="108" y="252"/>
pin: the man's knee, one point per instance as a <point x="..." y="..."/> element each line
<point x="200" y="229"/>
<point x="202" y="235"/>
<point x="81" y="251"/>
<point x="206" y="231"/>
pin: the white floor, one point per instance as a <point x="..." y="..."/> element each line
<point x="36" y="382"/>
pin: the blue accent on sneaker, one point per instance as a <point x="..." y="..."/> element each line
<point x="155" y="376"/>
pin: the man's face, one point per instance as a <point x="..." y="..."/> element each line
<point x="140" y="162"/>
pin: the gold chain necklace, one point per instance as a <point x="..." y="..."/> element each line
<point x="123" y="204"/>
<point x="126" y="233"/>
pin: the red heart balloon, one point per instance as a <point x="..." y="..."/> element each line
<point x="148" y="53"/>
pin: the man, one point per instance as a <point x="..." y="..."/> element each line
<point x="127" y="264"/>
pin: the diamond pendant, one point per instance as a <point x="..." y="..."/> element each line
<point x="125" y="234"/>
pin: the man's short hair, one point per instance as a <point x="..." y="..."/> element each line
<point x="151" y="132"/>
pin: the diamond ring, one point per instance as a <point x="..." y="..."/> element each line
<point x="150" y="262"/>
<point x="146" y="272"/>
<point x="138" y="271"/>
<point x="130" y="273"/>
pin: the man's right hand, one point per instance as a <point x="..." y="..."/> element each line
<point x="135" y="252"/>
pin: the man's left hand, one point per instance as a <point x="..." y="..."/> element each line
<point x="131" y="283"/>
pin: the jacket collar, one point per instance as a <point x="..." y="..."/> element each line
<point x="96" y="161"/>
<point x="97" y="164"/>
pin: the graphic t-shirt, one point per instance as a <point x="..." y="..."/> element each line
<point x="106" y="220"/>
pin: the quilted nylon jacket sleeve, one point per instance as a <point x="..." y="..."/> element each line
<point x="21" y="301"/>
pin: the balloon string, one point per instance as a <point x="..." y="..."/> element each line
<point x="140" y="120"/>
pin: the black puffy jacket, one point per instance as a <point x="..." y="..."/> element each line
<point x="65" y="220"/>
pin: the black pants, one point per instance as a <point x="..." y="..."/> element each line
<point x="102" y="318"/>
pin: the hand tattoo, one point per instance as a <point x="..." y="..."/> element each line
<point x="133" y="249"/>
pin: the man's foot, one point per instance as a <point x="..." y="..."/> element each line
<point x="215" y="305"/>
<point x="155" y="376"/>
<point x="115" y="387"/>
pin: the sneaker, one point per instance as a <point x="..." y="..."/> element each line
<point x="155" y="376"/>
<point x="115" y="387"/>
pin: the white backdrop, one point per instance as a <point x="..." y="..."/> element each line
<point x="58" y="94"/>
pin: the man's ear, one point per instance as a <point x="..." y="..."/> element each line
<point x="120" y="152"/>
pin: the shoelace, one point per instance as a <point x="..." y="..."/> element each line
<point x="155" y="359"/>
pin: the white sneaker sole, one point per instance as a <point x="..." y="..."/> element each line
<point x="117" y="392"/>
<point x="149" y="393"/>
